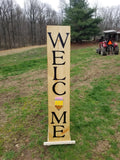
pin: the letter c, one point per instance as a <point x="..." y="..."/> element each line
<point x="54" y="90"/>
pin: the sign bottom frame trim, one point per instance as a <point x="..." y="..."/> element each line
<point x="58" y="143"/>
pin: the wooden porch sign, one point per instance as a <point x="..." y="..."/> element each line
<point x="58" y="55"/>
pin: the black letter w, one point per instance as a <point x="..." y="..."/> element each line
<point x="61" y="40"/>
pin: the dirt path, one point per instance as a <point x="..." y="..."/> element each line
<point x="17" y="50"/>
<point x="22" y="49"/>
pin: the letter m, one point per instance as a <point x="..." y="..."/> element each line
<point x="58" y="119"/>
<point x="61" y="40"/>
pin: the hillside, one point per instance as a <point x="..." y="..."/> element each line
<point x="95" y="106"/>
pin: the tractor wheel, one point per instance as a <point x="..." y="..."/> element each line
<point x="110" y="50"/>
<point x="116" y="51"/>
<point x="98" y="51"/>
<point x="103" y="51"/>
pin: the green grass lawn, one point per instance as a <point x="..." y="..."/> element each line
<point x="95" y="107"/>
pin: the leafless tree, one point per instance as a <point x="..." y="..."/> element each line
<point x="41" y="30"/>
<point x="21" y="27"/>
<point x="62" y="6"/>
<point x="31" y="9"/>
<point x="110" y="18"/>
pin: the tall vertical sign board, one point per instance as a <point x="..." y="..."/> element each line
<point x="58" y="55"/>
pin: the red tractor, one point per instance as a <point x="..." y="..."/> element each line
<point x="107" y="44"/>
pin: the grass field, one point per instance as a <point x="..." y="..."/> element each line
<point x="95" y="107"/>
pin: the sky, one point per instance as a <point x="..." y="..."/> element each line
<point x="55" y="3"/>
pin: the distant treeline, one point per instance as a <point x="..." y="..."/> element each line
<point x="21" y="27"/>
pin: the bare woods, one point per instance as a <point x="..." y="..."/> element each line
<point x="22" y="27"/>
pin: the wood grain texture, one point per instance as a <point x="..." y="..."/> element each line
<point x="58" y="56"/>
